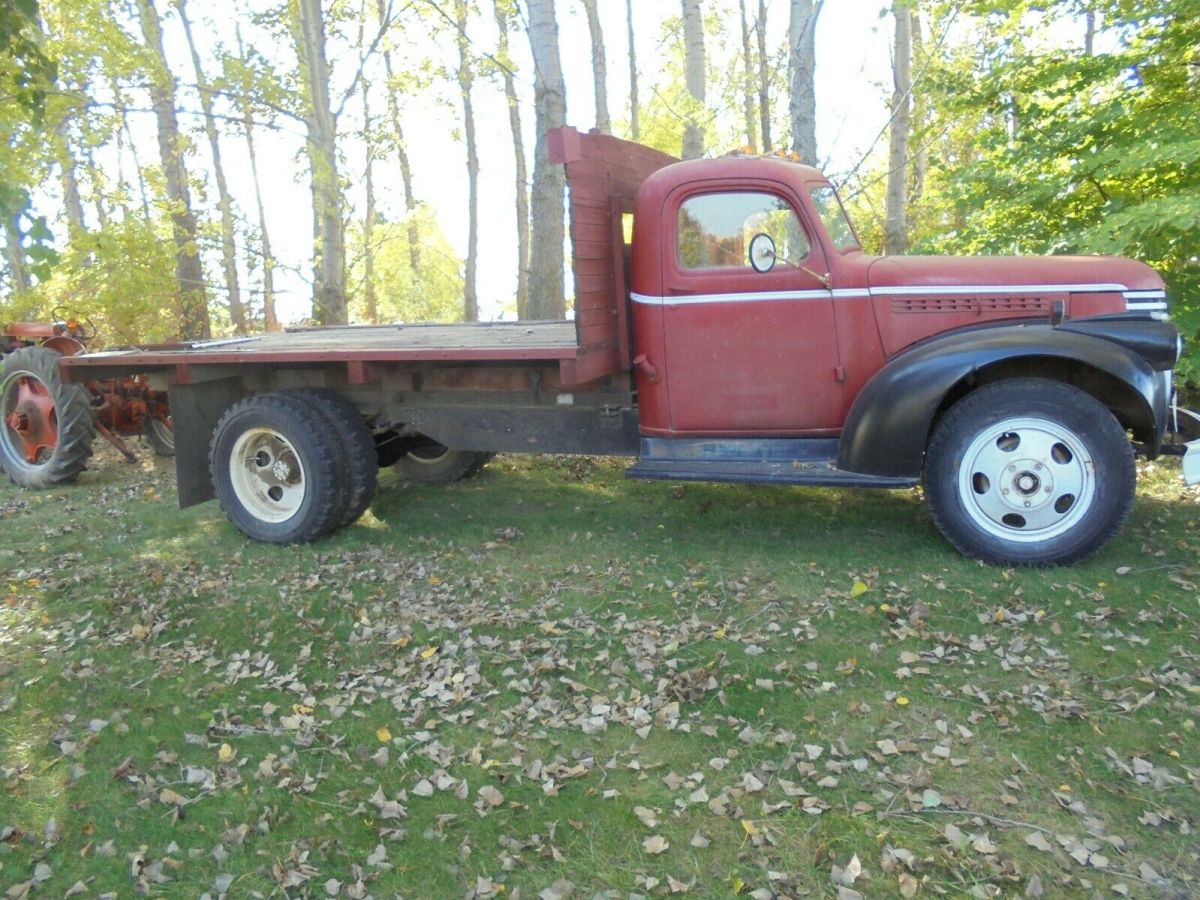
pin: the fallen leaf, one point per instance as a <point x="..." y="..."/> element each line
<point x="226" y="753"/>
<point x="384" y="734"/>
<point x="655" y="844"/>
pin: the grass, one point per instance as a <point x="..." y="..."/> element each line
<point x="775" y="682"/>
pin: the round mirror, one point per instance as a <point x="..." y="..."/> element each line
<point x="762" y="253"/>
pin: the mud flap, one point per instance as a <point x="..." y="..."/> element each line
<point x="1191" y="462"/>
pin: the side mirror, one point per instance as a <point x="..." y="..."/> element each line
<point x="762" y="253"/>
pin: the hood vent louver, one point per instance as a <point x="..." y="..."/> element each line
<point x="979" y="305"/>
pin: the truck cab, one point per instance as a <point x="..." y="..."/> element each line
<point x="770" y="347"/>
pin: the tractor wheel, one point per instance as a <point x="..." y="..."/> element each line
<point x="428" y="462"/>
<point x="160" y="435"/>
<point x="345" y="422"/>
<point x="1029" y="472"/>
<point x="47" y="428"/>
<point x="275" y="467"/>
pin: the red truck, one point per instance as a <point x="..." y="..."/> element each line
<point x="737" y="332"/>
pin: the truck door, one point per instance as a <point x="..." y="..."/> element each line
<point x="747" y="351"/>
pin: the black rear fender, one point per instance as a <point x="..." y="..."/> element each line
<point x="891" y="420"/>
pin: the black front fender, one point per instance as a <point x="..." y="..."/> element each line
<point x="889" y="424"/>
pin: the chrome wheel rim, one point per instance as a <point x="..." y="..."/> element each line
<point x="267" y="475"/>
<point x="1026" y="480"/>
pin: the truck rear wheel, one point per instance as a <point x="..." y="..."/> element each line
<point x="160" y="435"/>
<point x="1029" y="472"/>
<point x="428" y="462"/>
<point x="46" y="426"/>
<point x="274" y="464"/>
<point x="357" y="446"/>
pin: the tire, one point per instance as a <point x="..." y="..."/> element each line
<point x="274" y="464"/>
<point x="428" y="462"/>
<point x="46" y="425"/>
<point x="160" y="435"/>
<point x="1029" y="472"/>
<point x="356" y="444"/>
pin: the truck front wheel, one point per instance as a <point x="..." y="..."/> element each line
<point x="1029" y="472"/>
<point x="428" y="462"/>
<point x="275" y="467"/>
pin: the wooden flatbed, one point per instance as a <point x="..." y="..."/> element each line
<point x="354" y="344"/>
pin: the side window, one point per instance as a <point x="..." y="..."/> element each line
<point x="715" y="230"/>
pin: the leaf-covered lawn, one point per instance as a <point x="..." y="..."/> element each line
<point x="551" y="682"/>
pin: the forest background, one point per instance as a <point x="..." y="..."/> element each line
<point x="204" y="169"/>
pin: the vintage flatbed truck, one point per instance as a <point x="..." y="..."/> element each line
<point x="740" y="335"/>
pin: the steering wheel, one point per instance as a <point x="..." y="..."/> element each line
<point x="84" y="329"/>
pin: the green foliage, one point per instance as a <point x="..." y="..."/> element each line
<point x="433" y="294"/>
<point x="122" y="277"/>
<point x="26" y="72"/>
<point x="1049" y="150"/>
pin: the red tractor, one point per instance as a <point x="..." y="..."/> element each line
<point x="47" y="426"/>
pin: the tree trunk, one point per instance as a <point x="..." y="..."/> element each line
<point x="193" y="300"/>
<point x="599" y="67"/>
<point x="920" y="116"/>
<point x="520" y="167"/>
<point x="764" y="77"/>
<point x="546" y="300"/>
<point x="237" y="310"/>
<point x="72" y="200"/>
<point x="372" y="302"/>
<point x="270" y="319"/>
<point x="410" y="201"/>
<point x="119" y="99"/>
<point x="634" y="126"/>
<point x="748" y="81"/>
<point x="96" y="180"/>
<point x="18" y="274"/>
<point x="693" y="43"/>
<point x="329" y="275"/>
<point x="1089" y="33"/>
<point x="465" y="79"/>
<point x="802" y="64"/>
<point x="895" y="226"/>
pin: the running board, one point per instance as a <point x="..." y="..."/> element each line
<point x="753" y="461"/>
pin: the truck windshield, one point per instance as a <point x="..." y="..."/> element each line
<point x="829" y="208"/>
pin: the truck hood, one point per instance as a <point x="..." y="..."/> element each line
<point x="1048" y="274"/>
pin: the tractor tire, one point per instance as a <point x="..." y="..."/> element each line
<point x="357" y="446"/>
<point x="160" y="436"/>
<point x="275" y="466"/>
<point x="46" y="425"/>
<point x="1029" y="472"/>
<point x="429" y="462"/>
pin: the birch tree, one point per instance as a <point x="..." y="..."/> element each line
<point x="546" y="300"/>
<point x="329" y="287"/>
<point x="764" y="76"/>
<point x="466" y="78"/>
<point x="599" y="67"/>
<point x="748" y="105"/>
<point x="400" y="145"/>
<point x="505" y="11"/>
<point x="802" y="63"/>
<point x="237" y="310"/>
<point x="895" y="226"/>
<point x="267" y="257"/>
<point x="634" y="125"/>
<point x="193" y="300"/>
<point x="693" y="41"/>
